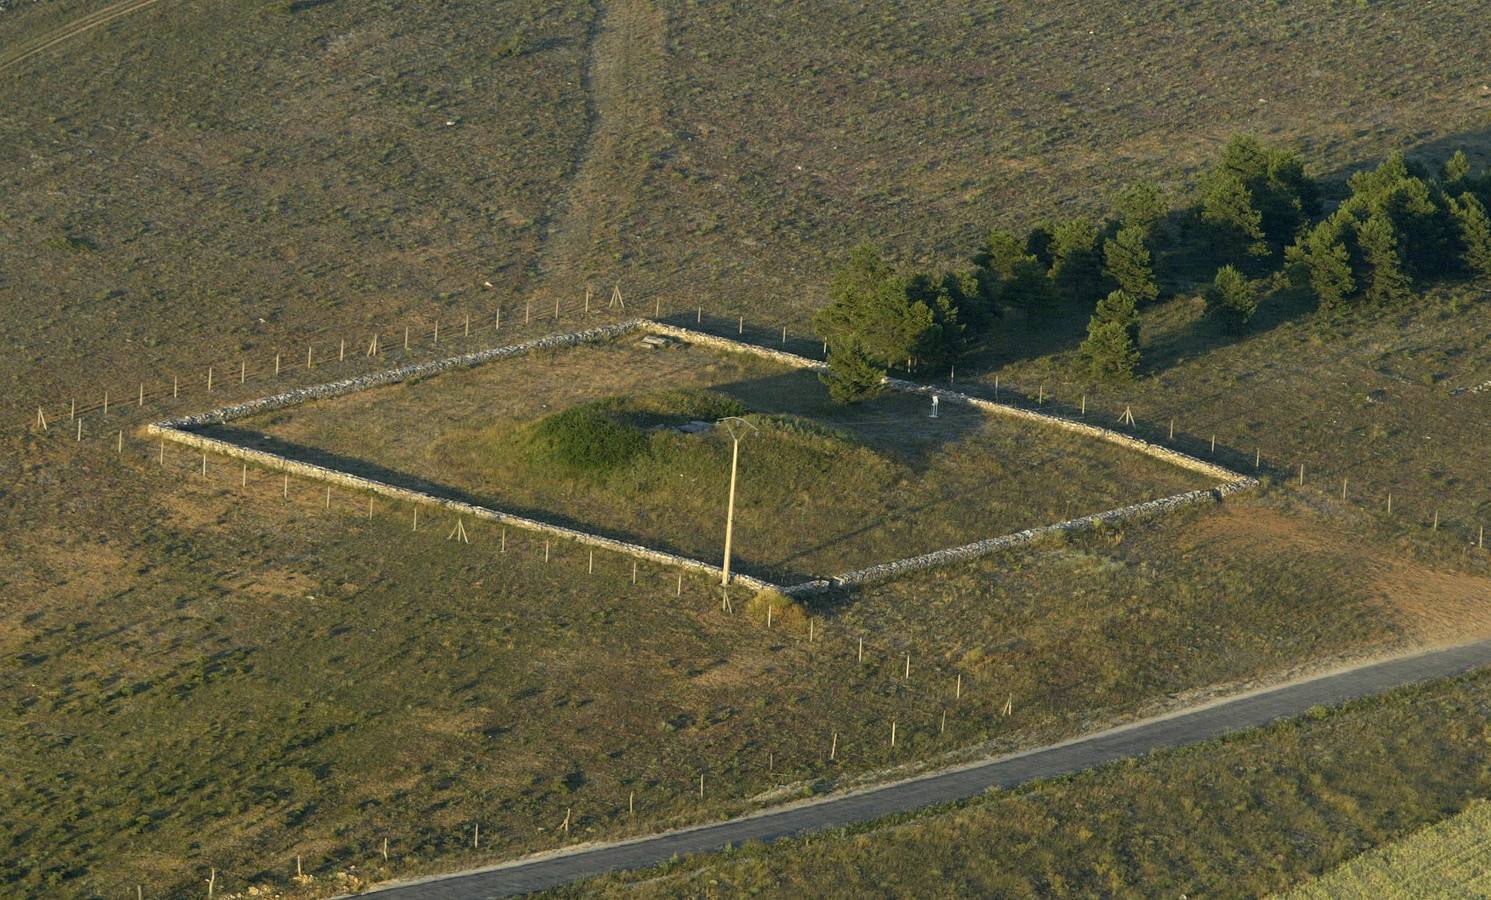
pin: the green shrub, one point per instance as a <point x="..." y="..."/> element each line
<point x="785" y="611"/>
<point x="514" y="44"/>
<point x="587" y="439"/>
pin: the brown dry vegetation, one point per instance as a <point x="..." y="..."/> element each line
<point x="202" y="675"/>
<point x="1386" y="400"/>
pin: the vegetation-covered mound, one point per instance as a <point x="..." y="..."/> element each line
<point x="605" y="435"/>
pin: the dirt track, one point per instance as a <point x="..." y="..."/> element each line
<point x="16" y="55"/>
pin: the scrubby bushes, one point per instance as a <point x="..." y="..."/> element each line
<point x="785" y="611"/>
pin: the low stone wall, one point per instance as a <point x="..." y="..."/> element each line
<point x="733" y="346"/>
<point x="1097" y="432"/>
<point x="178" y="430"/>
<point x="358" y="483"/>
<point x="402" y="373"/>
<point x="891" y="570"/>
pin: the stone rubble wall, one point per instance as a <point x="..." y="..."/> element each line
<point x="403" y="373"/>
<point x="731" y="345"/>
<point x="179" y="430"/>
<point x="891" y="570"/>
<point x="358" y="483"/>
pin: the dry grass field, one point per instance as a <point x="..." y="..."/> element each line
<point x="1391" y="401"/>
<point x="195" y="181"/>
<point x="1447" y="859"/>
<point x="919" y="127"/>
<point x="179" y="175"/>
<point x="197" y="674"/>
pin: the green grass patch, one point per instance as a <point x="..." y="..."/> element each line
<point x="585" y="440"/>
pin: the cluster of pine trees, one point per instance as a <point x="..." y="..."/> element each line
<point x="1257" y="217"/>
<point x="879" y="316"/>
<point x="1400" y="227"/>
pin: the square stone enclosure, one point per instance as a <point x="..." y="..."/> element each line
<point x="189" y="430"/>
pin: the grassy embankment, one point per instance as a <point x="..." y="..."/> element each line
<point x="1446" y="859"/>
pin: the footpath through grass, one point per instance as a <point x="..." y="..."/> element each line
<point x="197" y="181"/>
<point x="1240" y="817"/>
<point x="780" y="136"/>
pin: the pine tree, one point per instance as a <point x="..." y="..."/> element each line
<point x="1038" y="243"/>
<point x="1005" y="252"/>
<point x="1120" y="307"/>
<point x="1127" y="261"/>
<point x="1029" y="288"/>
<point x="1386" y="280"/>
<point x="871" y="309"/>
<point x="1112" y="345"/>
<point x="1475" y="232"/>
<point x="852" y="376"/>
<point x="1399" y="193"/>
<point x="1324" y="258"/>
<point x="1075" y="268"/>
<point x="1141" y="205"/>
<point x="1232" y="300"/>
<point x="1227" y="204"/>
<point x="1456" y="170"/>
<point x="1109" y="350"/>
<point x="1276" y="189"/>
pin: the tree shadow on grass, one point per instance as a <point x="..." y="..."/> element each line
<point x="895" y="425"/>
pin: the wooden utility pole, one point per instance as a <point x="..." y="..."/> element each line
<point x="731" y="423"/>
